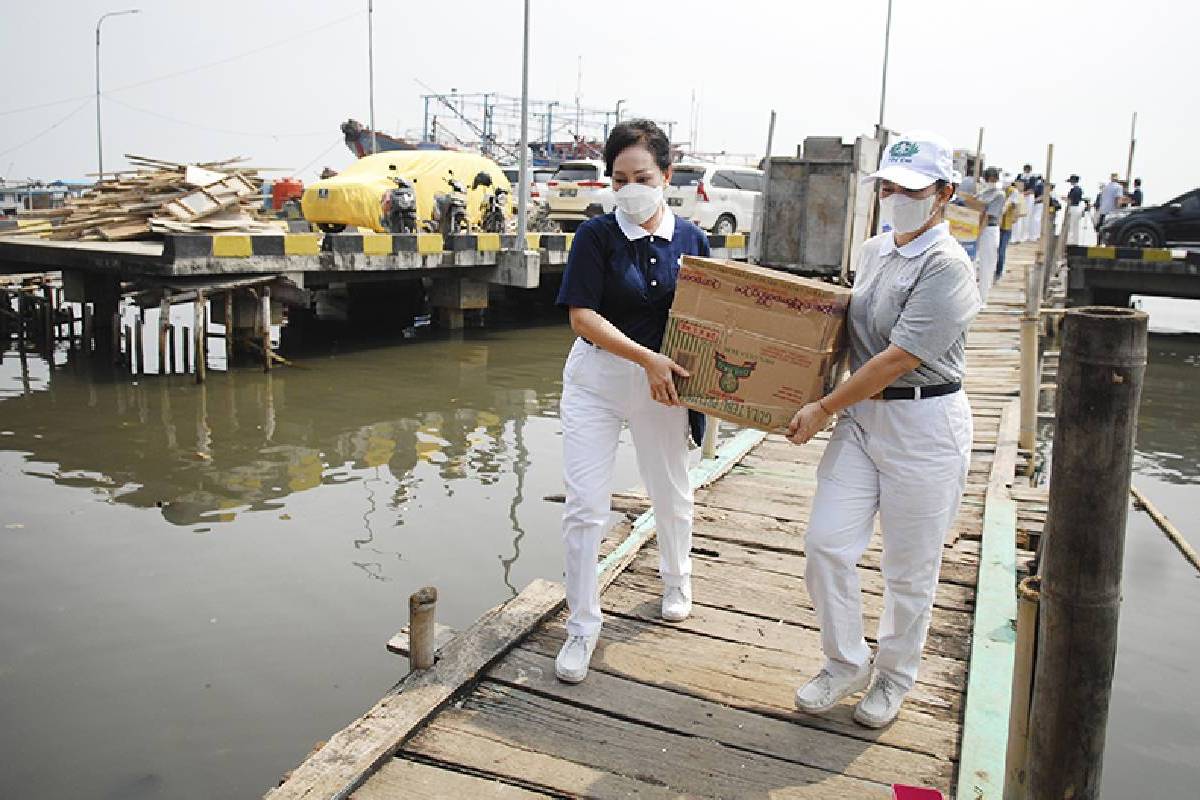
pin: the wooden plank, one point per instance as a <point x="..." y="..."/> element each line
<point x="690" y="766"/>
<point x="783" y="739"/>
<point x="400" y="777"/>
<point x="442" y="635"/>
<point x="762" y="681"/>
<point x="341" y="766"/>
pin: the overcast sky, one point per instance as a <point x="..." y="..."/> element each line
<point x="1030" y="72"/>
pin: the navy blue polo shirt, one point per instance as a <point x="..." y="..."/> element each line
<point x="627" y="275"/>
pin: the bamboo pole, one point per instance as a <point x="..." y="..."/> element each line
<point x="1164" y="524"/>
<point x="1100" y="374"/>
<point x="164" y="322"/>
<point x="1029" y="334"/>
<point x="1022" y="687"/>
<point x="116" y="336"/>
<point x="48" y="315"/>
<point x="200" y="345"/>
<point x="265" y="322"/>
<point x="422" y="605"/>
<point x="171" y="348"/>
<point x="71" y="327"/>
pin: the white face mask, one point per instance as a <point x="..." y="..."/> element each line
<point x="906" y="214"/>
<point x="638" y="201"/>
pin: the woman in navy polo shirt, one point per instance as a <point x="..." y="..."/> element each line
<point x="618" y="284"/>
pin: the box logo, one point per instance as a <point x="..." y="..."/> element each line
<point x="731" y="373"/>
<point x="904" y="150"/>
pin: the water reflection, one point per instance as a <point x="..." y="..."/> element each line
<point x="446" y="416"/>
<point x="1168" y="446"/>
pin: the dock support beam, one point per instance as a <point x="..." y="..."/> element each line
<point x="1100" y="376"/>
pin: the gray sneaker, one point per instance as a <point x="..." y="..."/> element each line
<point x="881" y="703"/>
<point x="824" y="691"/>
<point x="571" y="666"/>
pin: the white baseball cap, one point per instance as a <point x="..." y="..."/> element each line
<point x="917" y="160"/>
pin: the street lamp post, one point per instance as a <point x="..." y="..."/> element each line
<point x="887" y="40"/>
<point x="371" y="69"/>
<point x="99" y="139"/>
<point x="523" y="172"/>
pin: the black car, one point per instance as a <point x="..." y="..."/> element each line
<point x="1173" y="223"/>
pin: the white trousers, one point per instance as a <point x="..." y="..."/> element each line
<point x="601" y="393"/>
<point x="987" y="254"/>
<point x="907" y="461"/>
<point x="1071" y="221"/>
<point x="1035" y="224"/>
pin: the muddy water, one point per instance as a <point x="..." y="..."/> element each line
<point x="197" y="583"/>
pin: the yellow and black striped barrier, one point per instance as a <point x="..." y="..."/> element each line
<point x="367" y="244"/>
<point x="1127" y="253"/>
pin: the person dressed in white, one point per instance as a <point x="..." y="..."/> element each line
<point x="989" y="198"/>
<point x="1112" y="197"/>
<point x="1024" y="228"/>
<point x="618" y="285"/>
<point x="1074" y="210"/>
<point x="902" y="445"/>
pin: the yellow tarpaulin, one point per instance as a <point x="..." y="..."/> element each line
<point x="354" y="196"/>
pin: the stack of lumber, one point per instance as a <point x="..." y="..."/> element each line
<point x="158" y="197"/>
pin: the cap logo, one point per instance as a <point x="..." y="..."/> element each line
<point x="904" y="150"/>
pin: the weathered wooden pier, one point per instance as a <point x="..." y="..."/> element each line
<point x="704" y="708"/>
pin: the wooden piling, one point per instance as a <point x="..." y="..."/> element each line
<point x="171" y="348"/>
<point x="88" y="332"/>
<point x="421" y="623"/>
<point x="229" y="330"/>
<point x="116" y="337"/>
<point x="1022" y="687"/>
<point x="265" y="323"/>
<point x="200" y="345"/>
<point x="1029" y="332"/>
<point x="709" y="446"/>
<point x="129" y="349"/>
<point x="164" y="322"/>
<point x="139" y="345"/>
<point x="1101" y="367"/>
<point x="186" y="341"/>
<point x="71" y="326"/>
<point x="48" y="314"/>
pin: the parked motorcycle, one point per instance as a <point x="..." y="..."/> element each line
<point x="450" y="209"/>
<point x="494" y="205"/>
<point x="400" y="207"/>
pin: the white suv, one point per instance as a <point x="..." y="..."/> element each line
<point x="718" y="198"/>
<point x="579" y="191"/>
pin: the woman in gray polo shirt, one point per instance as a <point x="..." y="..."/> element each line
<point x="902" y="445"/>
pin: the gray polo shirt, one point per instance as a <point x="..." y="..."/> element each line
<point x="920" y="297"/>
<point x="993" y="195"/>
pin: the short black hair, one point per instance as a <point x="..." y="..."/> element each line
<point x="635" y="132"/>
<point x="1137" y="181"/>
<point x="1029" y="166"/>
<point x="991" y="172"/>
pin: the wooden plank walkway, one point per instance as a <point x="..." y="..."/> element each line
<point x="704" y="708"/>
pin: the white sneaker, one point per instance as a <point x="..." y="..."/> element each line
<point x="881" y="703"/>
<point x="824" y="691"/>
<point x="677" y="602"/>
<point x="571" y="666"/>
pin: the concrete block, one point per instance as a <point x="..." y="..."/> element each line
<point x="458" y="293"/>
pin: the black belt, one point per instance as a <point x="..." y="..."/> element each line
<point x="917" y="392"/>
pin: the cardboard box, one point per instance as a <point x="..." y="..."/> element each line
<point x="965" y="223"/>
<point x="759" y="343"/>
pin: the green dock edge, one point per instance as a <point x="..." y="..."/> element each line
<point x="704" y="473"/>
<point x="981" y="767"/>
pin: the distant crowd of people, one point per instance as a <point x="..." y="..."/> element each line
<point x="1015" y="207"/>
